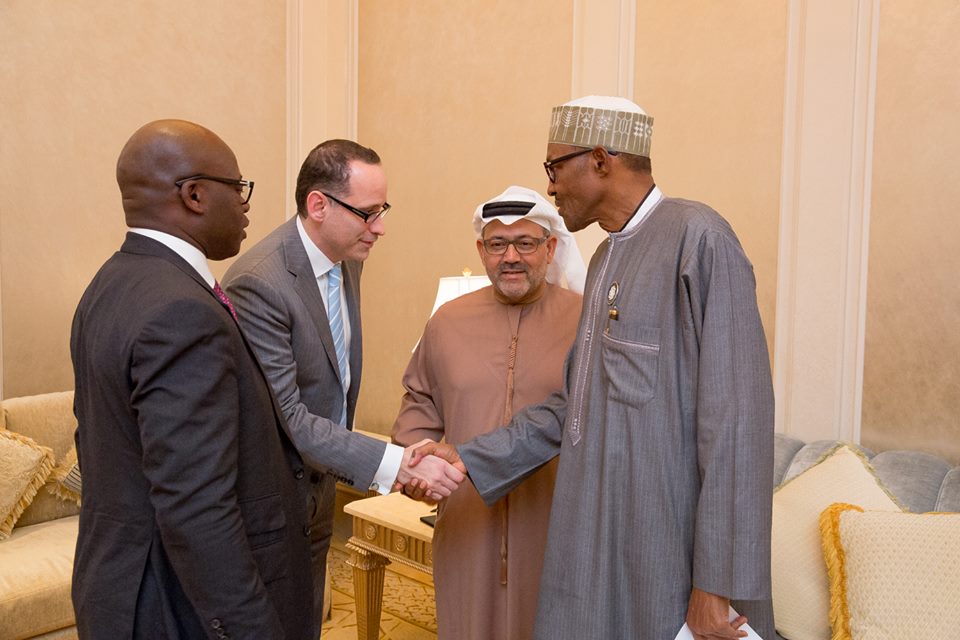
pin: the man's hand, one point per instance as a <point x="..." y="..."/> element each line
<point x="442" y="450"/>
<point x="707" y="617"/>
<point x="428" y="477"/>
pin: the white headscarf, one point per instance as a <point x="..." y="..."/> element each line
<point x="567" y="268"/>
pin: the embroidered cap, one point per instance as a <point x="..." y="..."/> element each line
<point x="614" y="123"/>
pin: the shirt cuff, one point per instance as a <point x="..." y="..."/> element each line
<point x="386" y="474"/>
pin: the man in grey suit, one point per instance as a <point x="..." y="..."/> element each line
<point x="193" y="496"/>
<point x="297" y="294"/>
<point x="661" y="513"/>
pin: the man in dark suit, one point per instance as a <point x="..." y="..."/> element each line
<point x="297" y="294"/>
<point x="193" y="520"/>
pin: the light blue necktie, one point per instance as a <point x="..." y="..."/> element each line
<point x="335" y="317"/>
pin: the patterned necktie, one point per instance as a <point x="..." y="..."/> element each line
<point x="335" y="316"/>
<point x="218" y="290"/>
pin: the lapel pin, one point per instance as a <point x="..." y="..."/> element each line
<point x="612" y="293"/>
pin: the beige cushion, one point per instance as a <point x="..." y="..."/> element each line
<point x="65" y="482"/>
<point x="48" y="419"/>
<point x="801" y="593"/>
<point x="61" y="495"/>
<point x="24" y="467"/>
<point x="892" y="575"/>
<point x="36" y="564"/>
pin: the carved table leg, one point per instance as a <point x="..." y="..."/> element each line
<point x="368" y="590"/>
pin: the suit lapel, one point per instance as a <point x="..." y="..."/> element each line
<point x="351" y="280"/>
<point x="142" y="245"/>
<point x="305" y="284"/>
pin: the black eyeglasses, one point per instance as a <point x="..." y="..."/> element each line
<point x="549" y="165"/>
<point x="524" y="245"/>
<point x="246" y="186"/>
<point x="367" y="216"/>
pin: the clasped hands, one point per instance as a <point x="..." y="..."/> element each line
<point x="430" y="471"/>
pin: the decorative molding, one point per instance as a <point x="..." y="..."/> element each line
<point x="1" y="331"/>
<point x="322" y="78"/>
<point x="824" y="217"/>
<point x="394" y="545"/>
<point x="294" y="100"/>
<point x="604" y="47"/>
<point x="604" y="63"/>
<point x="861" y="195"/>
<point x="627" y="48"/>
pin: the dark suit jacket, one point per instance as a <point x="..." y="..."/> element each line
<point x="278" y="301"/>
<point x="193" y="499"/>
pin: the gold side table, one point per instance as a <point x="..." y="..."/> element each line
<point x="385" y="528"/>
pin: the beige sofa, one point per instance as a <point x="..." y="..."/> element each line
<point x="808" y="479"/>
<point x="36" y="561"/>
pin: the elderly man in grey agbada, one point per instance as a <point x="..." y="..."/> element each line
<point x="661" y="514"/>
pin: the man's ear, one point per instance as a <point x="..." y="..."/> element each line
<point x="191" y="193"/>
<point x="480" y="248"/>
<point x="317" y="206"/>
<point x="551" y="248"/>
<point x="600" y="160"/>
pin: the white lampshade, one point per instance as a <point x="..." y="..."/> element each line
<point x="451" y="287"/>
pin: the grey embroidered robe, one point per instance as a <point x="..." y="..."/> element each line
<point x="665" y="433"/>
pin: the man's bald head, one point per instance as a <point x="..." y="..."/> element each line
<point x="158" y="154"/>
<point x="163" y="152"/>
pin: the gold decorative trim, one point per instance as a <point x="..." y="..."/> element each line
<point x="425" y="565"/>
<point x="835" y="559"/>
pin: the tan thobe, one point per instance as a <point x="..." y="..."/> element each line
<point x="479" y="361"/>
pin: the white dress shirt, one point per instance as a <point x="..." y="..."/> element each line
<point x="321" y="265"/>
<point x="194" y="257"/>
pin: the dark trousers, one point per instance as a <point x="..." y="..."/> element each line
<point x="320" y="506"/>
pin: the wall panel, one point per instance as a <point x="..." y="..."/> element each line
<point x="76" y="79"/>
<point x="911" y="391"/>
<point x="712" y="76"/>
<point x="456" y="98"/>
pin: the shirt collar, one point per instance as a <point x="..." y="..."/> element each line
<point x="652" y="199"/>
<point x="193" y="256"/>
<point x="319" y="263"/>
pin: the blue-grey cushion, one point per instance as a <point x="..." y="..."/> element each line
<point x="914" y="477"/>
<point x="920" y="481"/>
<point x="949" y="497"/>
<point x="811" y="453"/>
<point x="784" y="450"/>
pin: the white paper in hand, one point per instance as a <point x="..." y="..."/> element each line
<point x="685" y="633"/>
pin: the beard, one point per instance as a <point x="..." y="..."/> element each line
<point x="515" y="282"/>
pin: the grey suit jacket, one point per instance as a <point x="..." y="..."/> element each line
<point x="275" y="293"/>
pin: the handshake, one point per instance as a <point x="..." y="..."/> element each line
<point x="430" y="471"/>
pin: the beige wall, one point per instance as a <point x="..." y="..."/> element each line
<point x="456" y="98"/>
<point x="911" y="391"/>
<point x="712" y="76"/>
<point x="77" y="79"/>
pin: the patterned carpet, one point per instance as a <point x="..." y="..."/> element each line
<point x="408" y="605"/>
